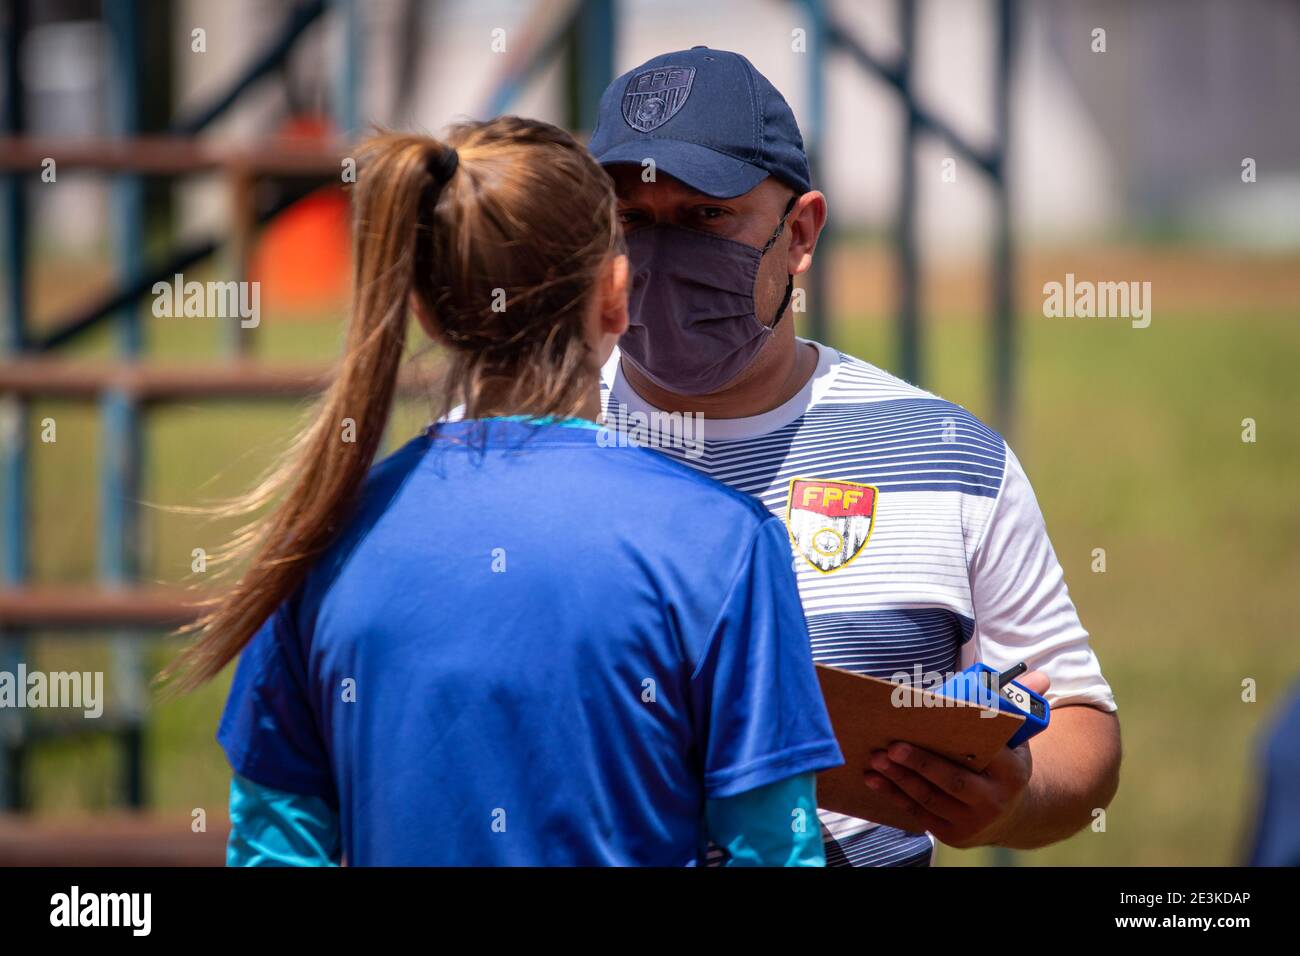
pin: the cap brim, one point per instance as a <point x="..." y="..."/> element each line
<point x="706" y="170"/>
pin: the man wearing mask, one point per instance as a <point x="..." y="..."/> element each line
<point x="918" y="542"/>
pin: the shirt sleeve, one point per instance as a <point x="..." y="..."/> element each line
<point x="273" y="828"/>
<point x="755" y="690"/>
<point x="1276" y="840"/>
<point x="1023" y="610"/>
<point x="774" y="825"/>
<point x="269" y="730"/>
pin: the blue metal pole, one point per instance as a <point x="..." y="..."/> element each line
<point x="514" y="83"/>
<point x="909" y="332"/>
<point x="121" y="454"/>
<point x="347" y="93"/>
<point x="128" y="190"/>
<point x="13" y="411"/>
<point x="13" y="331"/>
<point x="818" y="317"/>
<point x="594" y="47"/>
<point x="1003" y="304"/>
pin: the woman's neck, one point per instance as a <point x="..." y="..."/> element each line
<point x="506" y="402"/>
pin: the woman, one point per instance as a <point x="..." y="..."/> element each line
<point x="509" y="642"/>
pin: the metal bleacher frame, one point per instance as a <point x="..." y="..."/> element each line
<point x="125" y="388"/>
<point x="122" y="388"/>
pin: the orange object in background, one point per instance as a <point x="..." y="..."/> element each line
<point x="303" y="257"/>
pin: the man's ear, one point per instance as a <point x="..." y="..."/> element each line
<point x="805" y="223"/>
<point x="613" y="305"/>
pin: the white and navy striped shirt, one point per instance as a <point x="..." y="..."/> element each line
<point x="941" y="560"/>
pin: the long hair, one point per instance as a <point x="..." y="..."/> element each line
<point x="497" y="235"/>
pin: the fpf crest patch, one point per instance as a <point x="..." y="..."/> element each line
<point x="830" y="521"/>
<point x="653" y="97"/>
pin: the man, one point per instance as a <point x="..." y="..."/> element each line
<point x="919" y="545"/>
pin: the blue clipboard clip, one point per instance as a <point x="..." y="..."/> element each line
<point x="979" y="684"/>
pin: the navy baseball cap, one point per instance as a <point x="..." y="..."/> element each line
<point x="706" y="117"/>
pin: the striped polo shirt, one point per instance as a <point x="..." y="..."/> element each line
<point x="917" y="541"/>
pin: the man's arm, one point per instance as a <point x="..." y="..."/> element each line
<point x="1049" y="787"/>
<point x="1042" y="791"/>
<point x="1075" y="773"/>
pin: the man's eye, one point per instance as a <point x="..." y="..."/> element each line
<point x="711" y="212"/>
<point x="629" y="217"/>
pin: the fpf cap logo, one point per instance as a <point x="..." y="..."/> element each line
<point x="653" y="97"/>
<point x="830" y="521"/>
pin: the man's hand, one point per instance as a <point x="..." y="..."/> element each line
<point x="960" y="807"/>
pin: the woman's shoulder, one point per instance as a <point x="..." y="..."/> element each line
<point x="652" y="473"/>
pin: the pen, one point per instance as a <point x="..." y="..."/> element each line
<point x="1007" y="676"/>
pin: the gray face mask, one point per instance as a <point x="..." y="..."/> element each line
<point x="692" y="327"/>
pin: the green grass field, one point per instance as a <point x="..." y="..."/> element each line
<point x="1131" y="437"/>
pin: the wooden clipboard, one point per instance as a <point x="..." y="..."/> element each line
<point x="869" y="714"/>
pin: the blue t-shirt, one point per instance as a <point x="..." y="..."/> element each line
<point x="527" y="648"/>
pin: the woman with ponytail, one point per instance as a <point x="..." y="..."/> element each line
<point x="512" y="641"/>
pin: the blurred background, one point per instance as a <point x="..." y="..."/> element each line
<point x="971" y="151"/>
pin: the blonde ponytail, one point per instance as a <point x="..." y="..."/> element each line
<point x="510" y="208"/>
<point x="318" y="481"/>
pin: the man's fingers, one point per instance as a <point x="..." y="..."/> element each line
<point x="1036" y="681"/>
<point x="1010" y="764"/>
<point x="959" y="783"/>
<point x="923" y="791"/>
<point x="922" y="819"/>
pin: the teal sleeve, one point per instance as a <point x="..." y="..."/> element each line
<point x="772" y="825"/>
<point x="273" y="828"/>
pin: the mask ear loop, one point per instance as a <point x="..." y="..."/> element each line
<point x="789" y="285"/>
